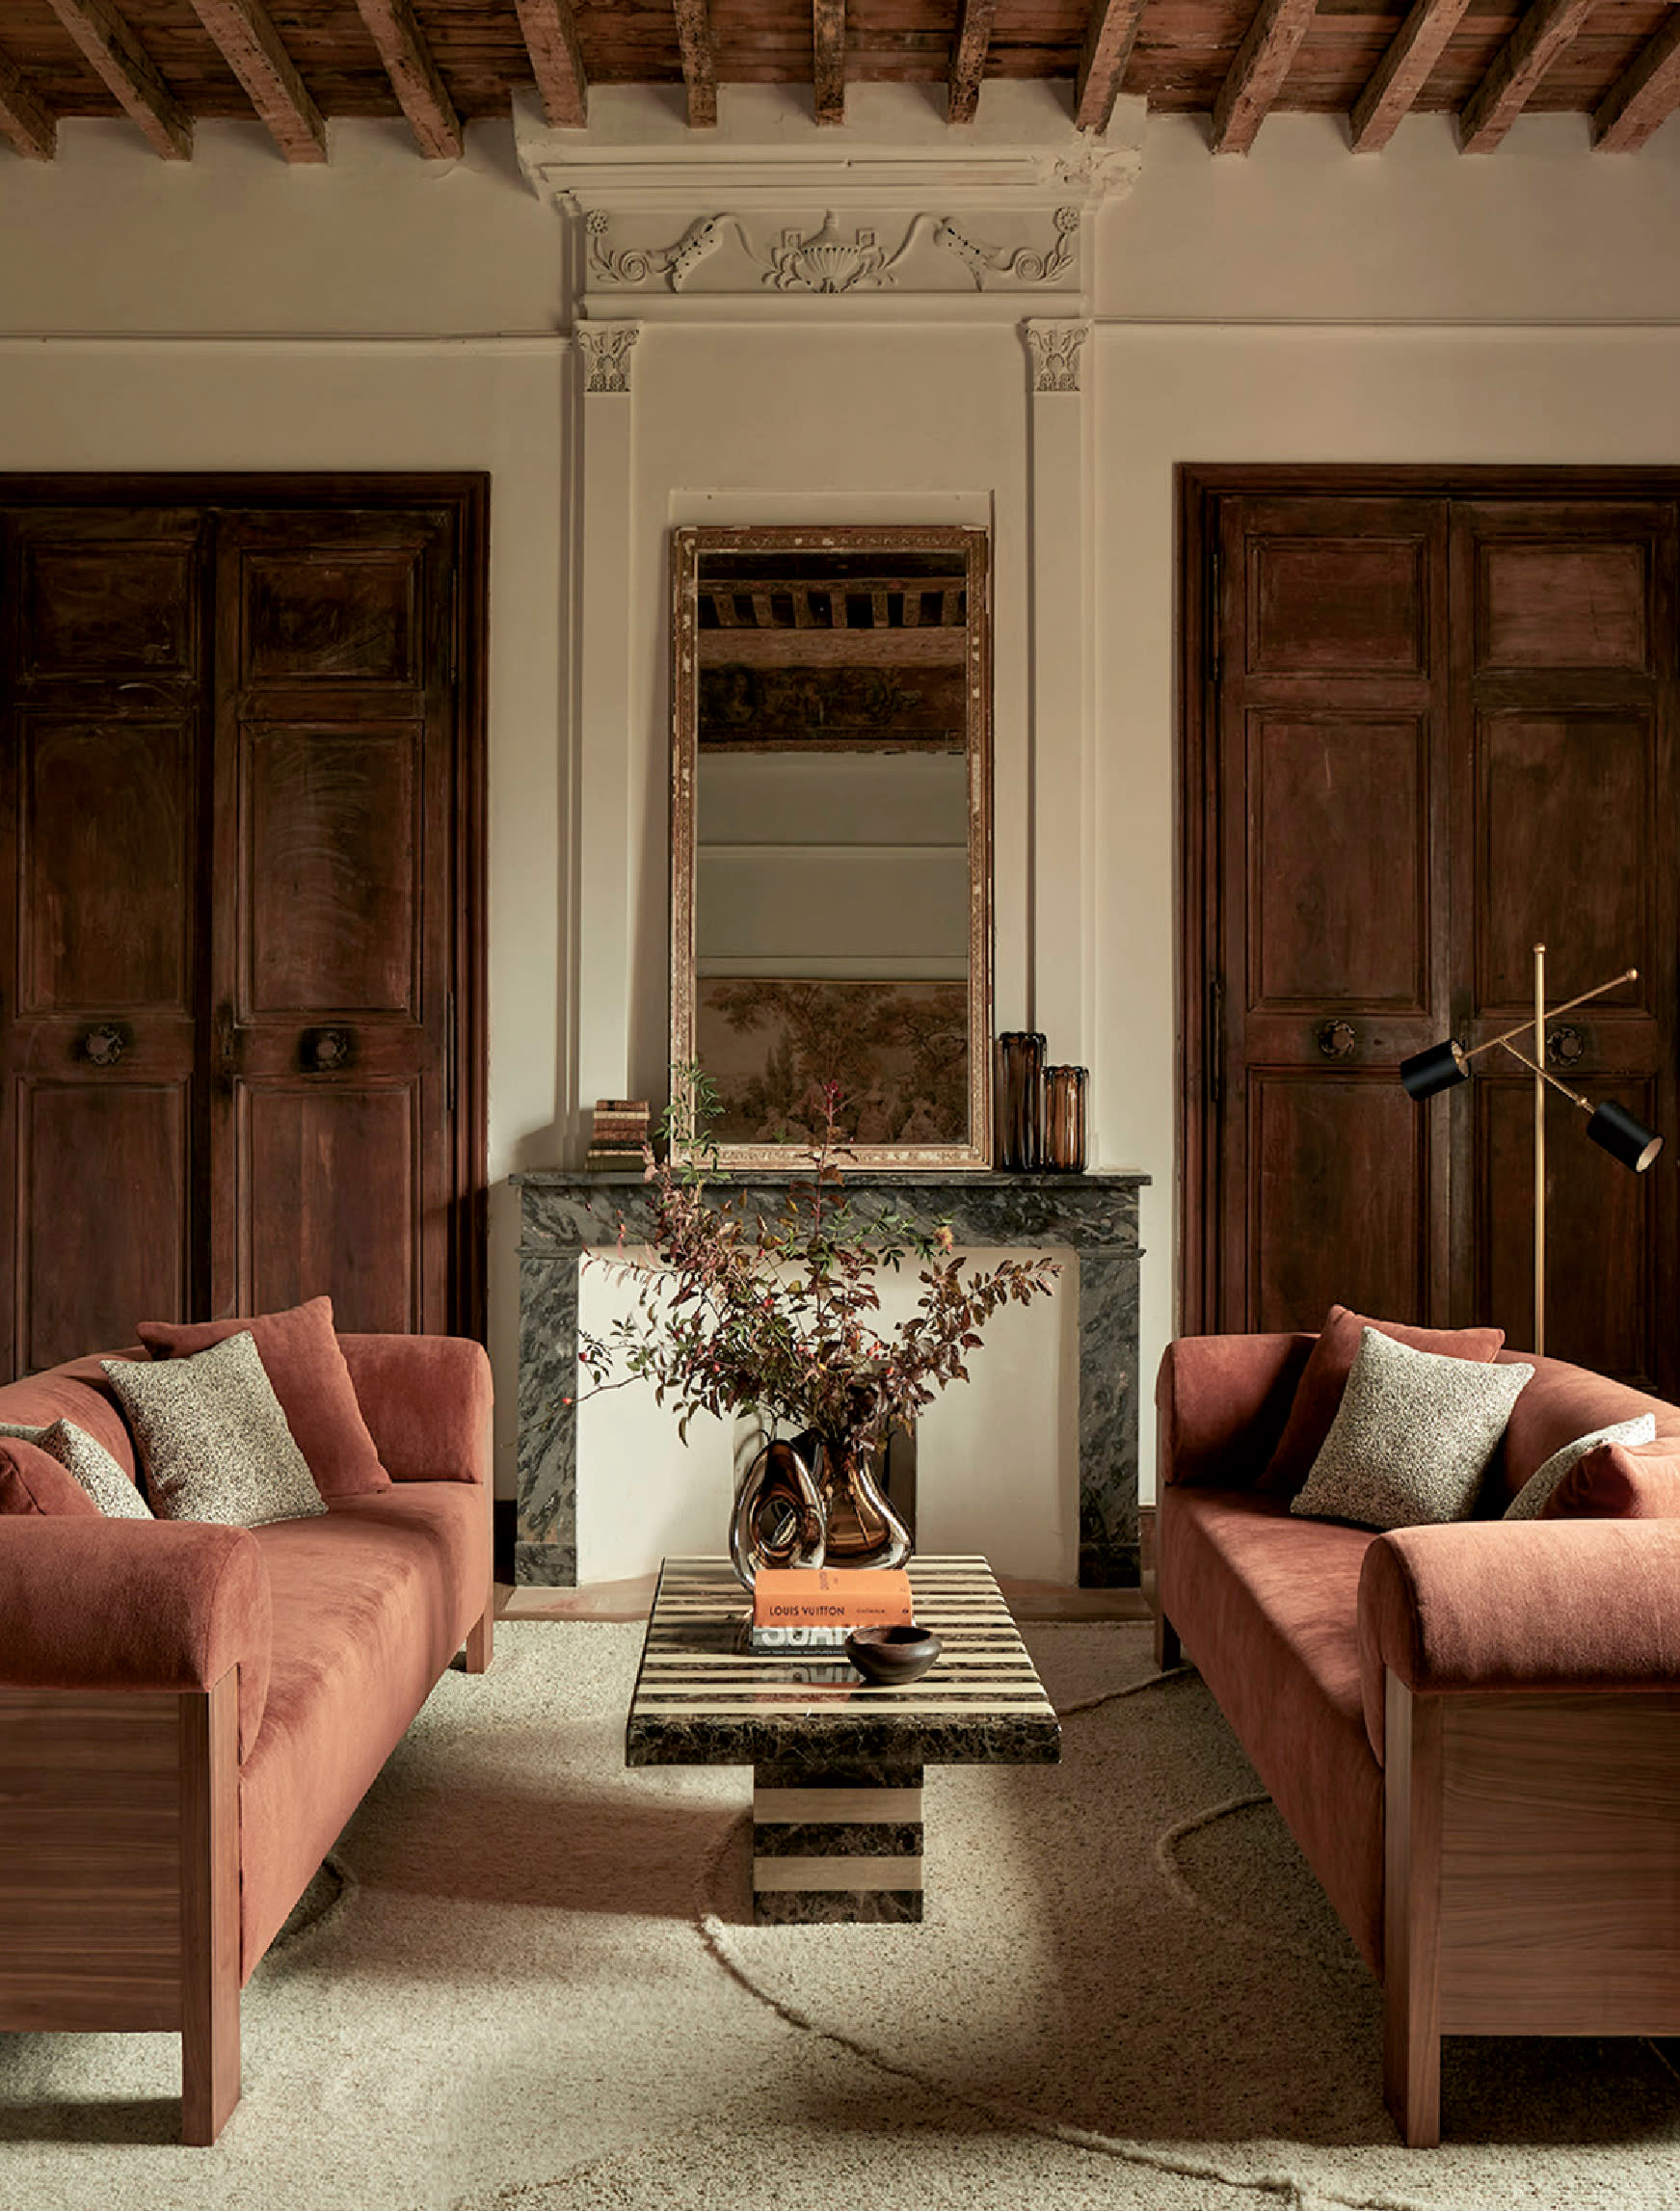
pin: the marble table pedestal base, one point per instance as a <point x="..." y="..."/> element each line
<point x="841" y="1843"/>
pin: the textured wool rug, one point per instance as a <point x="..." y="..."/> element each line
<point x="526" y="1978"/>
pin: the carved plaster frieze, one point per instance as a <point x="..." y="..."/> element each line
<point x="890" y="205"/>
<point x="825" y="260"/>
<point x="607" y="355"/>
<point x="1053" y="351"/>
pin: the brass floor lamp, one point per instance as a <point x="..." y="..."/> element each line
<point x="1612" y="1126"/>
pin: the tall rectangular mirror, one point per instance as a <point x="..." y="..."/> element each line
<point x="830" y="838"/>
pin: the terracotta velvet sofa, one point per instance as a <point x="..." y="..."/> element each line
<point x="189" y="1713"/>
<point x="1473" y="1730"/>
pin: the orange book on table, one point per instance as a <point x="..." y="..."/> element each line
<point x="832" y="1597"/>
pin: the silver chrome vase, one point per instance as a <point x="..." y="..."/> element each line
<point x="778" y="1519"/>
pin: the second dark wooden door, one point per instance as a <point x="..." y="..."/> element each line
<point x="1440" y="732"/>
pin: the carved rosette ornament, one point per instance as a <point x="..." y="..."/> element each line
<point x="607" y="355"/>
<point x="1054" y="349"/>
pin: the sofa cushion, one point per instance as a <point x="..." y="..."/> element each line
<point x="33" y="1483"/>
<point x="303" y="1359"/>
<point x="89" y="1464"/>
<point x="1620" y="1482"/>
<point x="1535" y="1494"/>
<point x="1330" y="1362"/>
<point x="1412" y="1437"/>
<point x="1561" y="1402"/>
<point x="371" y="1604"/>
<point x="213" y="1439"/>
<point x="79" y="1390"/>
<point x="1267" y="1607"/>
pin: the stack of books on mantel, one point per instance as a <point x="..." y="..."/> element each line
<point x="619" y="1131"/>
<point x="815" y="1608"/>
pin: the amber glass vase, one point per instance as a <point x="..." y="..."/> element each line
<point x="1064" y="1119"/>
<point x="1019" y="1105"/>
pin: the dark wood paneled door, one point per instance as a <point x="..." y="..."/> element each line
<point x="242" y="806"/>
<point x="1427" y="730"/>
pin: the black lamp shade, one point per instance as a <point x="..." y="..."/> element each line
<point x="1615" y="1130"/>
<point x="1438" y="1068"/>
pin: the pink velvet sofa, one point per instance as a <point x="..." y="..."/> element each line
<point x="1472" y="1730"/>
<point x="190" y="1712"/>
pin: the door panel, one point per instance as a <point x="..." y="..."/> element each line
<point x="334" y="763"/>
<point x="1354" y="1150"/>
<point x="241" y="893"/>
<point x="354" y="1156"/>
<point x="103" y="1210"/>
<point x="1439" y="730"/>
<point x="1332" y="770"/>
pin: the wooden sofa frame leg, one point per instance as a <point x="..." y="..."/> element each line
<point x="1532" y="1856"/>
<point x="1411" y="1915"/>
<point x="1168" y="1650"/>
<point x="119" y="1875"/>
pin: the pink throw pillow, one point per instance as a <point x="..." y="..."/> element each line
<point x="1324" y="1377"/>
<point x="1620" y="1482"/>
<point x="31" y="1483"/>
<point x="301" y="1354"/>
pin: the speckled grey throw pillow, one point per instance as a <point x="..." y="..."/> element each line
<point x="1530" y="1502"/>
<point x="86" y="1458"/>
<point x="213" y="1442"/>
<point x="1412" y="1438"/>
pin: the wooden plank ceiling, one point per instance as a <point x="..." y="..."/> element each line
<point x="294" y="63"/>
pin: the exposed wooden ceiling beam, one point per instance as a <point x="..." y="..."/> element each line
<point x="1403" y="72"/>
<point x="699" y="62"/>
<point x="250" y="46"/>
<point x="967" y="58"/>
<point x="827" y="40"/>
<point x="1645" y="94"/>
<point x="23" y="120"/>
<point x="116" y="57"/>
<point x="1256" y="76"/>
<point x="422" y="92"/>
<point x="1109" y="40"/>
<point x="1548" y="27"/>
<point x="556" y="61"/>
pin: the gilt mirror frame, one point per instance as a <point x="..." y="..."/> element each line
<point x="968" y="550"/>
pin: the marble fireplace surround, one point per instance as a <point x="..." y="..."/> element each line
<point x="1094" y="1216"/>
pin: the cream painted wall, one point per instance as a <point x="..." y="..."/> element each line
<point x="1299" y="305"/>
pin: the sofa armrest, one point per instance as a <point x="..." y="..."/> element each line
<point x="427" y="1401"/>
<point x="1221" y="1402"/>
<point x="1532" y="1606"/>
<point x="135" y="1605"/>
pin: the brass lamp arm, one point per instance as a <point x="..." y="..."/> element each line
<point x="1628" y="975"/>
<point x="1574" y="1096"/>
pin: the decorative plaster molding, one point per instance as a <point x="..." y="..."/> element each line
<point x="824" y="261"/>
<point x="607" y="354"/>
<point x="1054" y="349"/>
<point x="769" y="207"/>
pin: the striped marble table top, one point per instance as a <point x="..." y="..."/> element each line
<point x="703" y="1698"/>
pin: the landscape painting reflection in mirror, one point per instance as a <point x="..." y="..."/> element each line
<point x="830" y="838"/>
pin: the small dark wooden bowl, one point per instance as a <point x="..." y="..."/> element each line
<point x="891" y="1657"/>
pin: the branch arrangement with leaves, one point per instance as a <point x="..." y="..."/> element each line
<point x="741" y="1313"/>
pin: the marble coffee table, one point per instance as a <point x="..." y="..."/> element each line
<point x="837" y="1764"/>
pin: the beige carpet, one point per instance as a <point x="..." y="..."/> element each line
<point x="527" y="1980"/>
